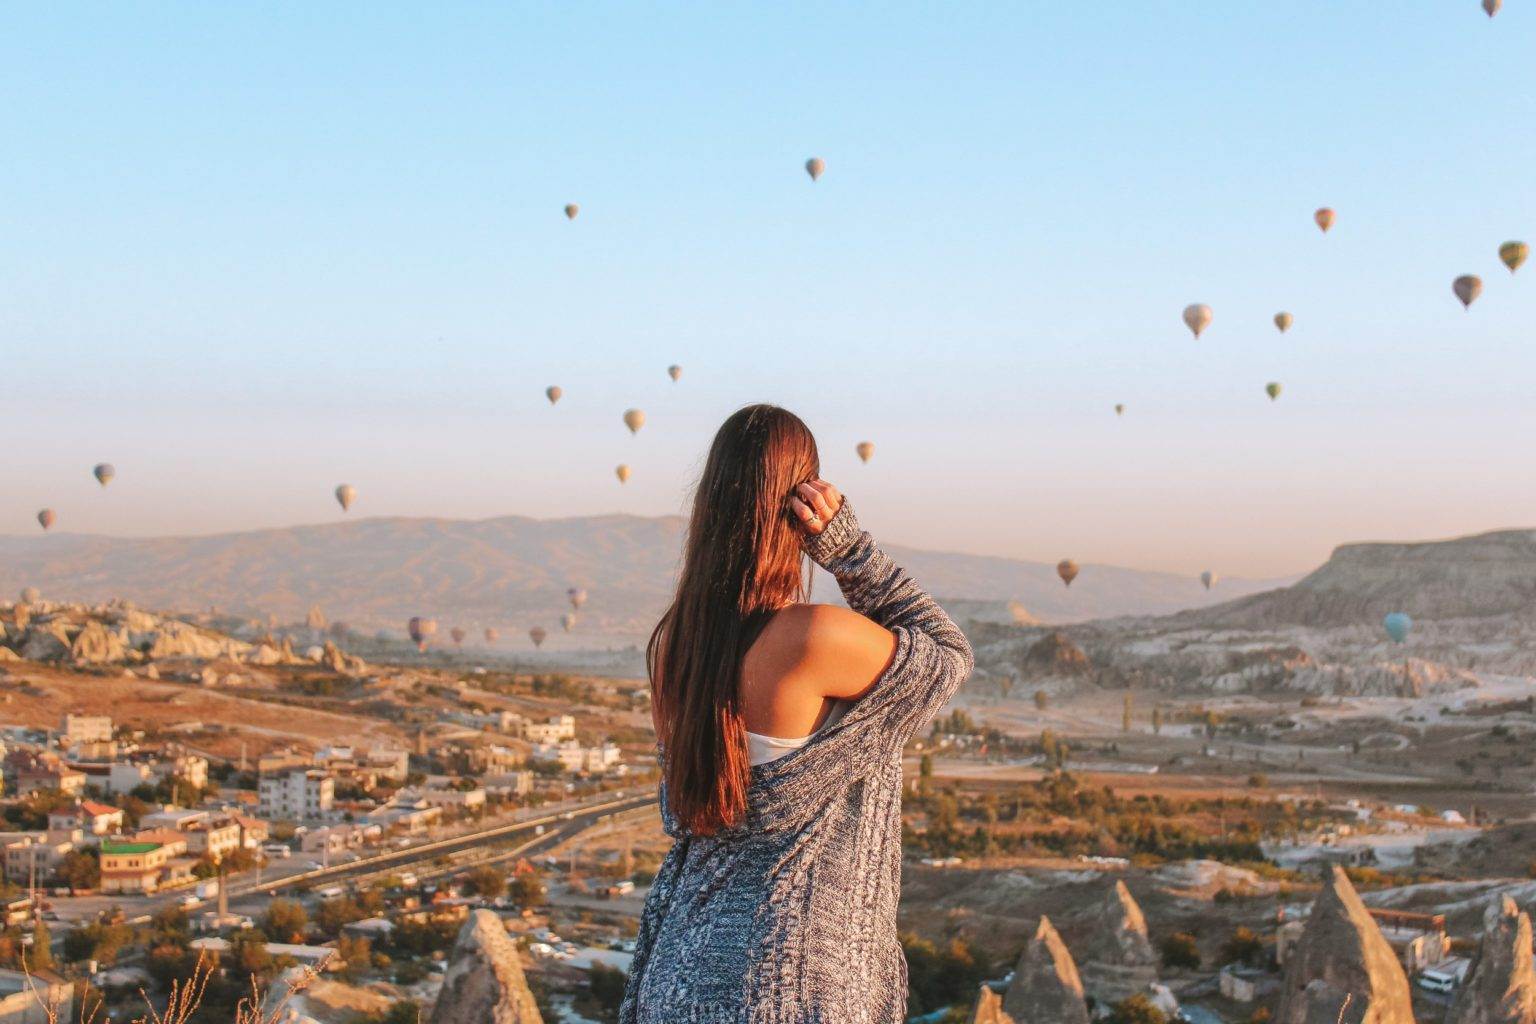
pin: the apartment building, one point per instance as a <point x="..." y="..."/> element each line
<point x="295" y="795"/>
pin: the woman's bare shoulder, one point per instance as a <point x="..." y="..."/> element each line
<point x="841" y="650"/>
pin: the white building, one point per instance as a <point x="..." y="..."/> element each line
<point x="575" y="758"/>
<point x="296" y="795"/>
<point x="558" y="728"/>
<point x="78" y="729"/>
<point x="124" y="778"/>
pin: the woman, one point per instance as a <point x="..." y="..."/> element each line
<point x="781" y="726"/>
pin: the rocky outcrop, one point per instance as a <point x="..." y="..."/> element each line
<point x="43" y="641"/>
<point x="484" y="981"/>
<point x="1500" y="987"/>
<point x="1342" y="967"/>
<point x="1117" y="960"/>
<point x="1055" y="655"/>
<point x="1046" y="988"/>
<point x="989" y="1008"/>
<point x="97" y="645"/>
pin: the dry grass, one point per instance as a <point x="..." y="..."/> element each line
<point x="184" y="998"/>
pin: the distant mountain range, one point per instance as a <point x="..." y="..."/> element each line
<point x="512" y="573"/>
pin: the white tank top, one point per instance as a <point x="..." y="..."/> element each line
<point x="762" y="749"/>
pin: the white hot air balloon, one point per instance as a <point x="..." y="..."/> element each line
<point x="346" y="494"/>
<point x="1208" y="578"/>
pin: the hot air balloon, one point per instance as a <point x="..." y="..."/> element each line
<point x="1491" y="7"/>
<point x="421" y="631"/>
<point x="491" y="636"/>
<point x="345" y="495"/>
<point x="1197" y="317"/>
<point x="45" y="518"/>
<point x="31" y="595"/>
<point x="634" y="419"/>
<point x="1208" y="578"/>
<point x="1324" y="218"/>
<point x="104" y="472"/>
<point x="815" y="167"/>
<point x="568" y="621"/>
<point x="537" y="635"/>
<point x="1513" y="254"/>
<point x="1272" y="389"/>
<point x="1067" y="570"/>
<point x="1283" y="321"/>
<point x="1119" y="409"/>
<point x="866" y="450"/>
<point x="674" y="371"/>
<point x="622" y="472"/>
<point x="457" y="634"/>
<point x="553" y="393"/>
<point x="1397" y="625"/>
<point x="1467" y="288"/>
<point x="577" y="597"/>
<point x="571" y="210"/>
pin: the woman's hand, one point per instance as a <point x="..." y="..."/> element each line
<point x="814" y="504"/>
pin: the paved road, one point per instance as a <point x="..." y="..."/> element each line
<point x="247" y="895"/>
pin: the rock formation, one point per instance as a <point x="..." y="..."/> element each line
<point x="484" y="982"/>
<point x="1117" y="960"/>
<point x="1342" y="968"/>
<point x="1055" y="655"/>
<point x="1500" y="987"/>
<point x="96" y="645"/>
<point x="989" y="1008"/>
<point x="1046" y="988"/>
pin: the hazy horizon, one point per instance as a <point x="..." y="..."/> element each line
<point x="251" y="255"/>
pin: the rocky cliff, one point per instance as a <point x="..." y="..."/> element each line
<point x="1117" y="960"/>
<point x="1342" y="968"/>
<point x="1500" y="987"/>
<point x="484" y="982"/>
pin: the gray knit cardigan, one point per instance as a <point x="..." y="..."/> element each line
<point x="790" y="917"/>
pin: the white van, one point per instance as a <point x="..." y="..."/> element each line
<point x="331" y="892"/>
<point x="1437" y="981"/>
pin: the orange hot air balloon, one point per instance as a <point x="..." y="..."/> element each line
<point x="866" y="450"/>
<point x="634" y="419"/>
<point x="45" y="518"/>
<point x="815" y="167"/>
<point x="571" y="210"/>
<point x="421" y="631"/>
<point x="577" y="597"/>
<point x="1491" y="7"/>
<point x="1197" y="317"/>
<point x="553" y="393"/>
<point x="491" y="636"/>
<point x="1512" y="254"/>
<point x="1324" y="218"/>
<point x="1067" y="570"/>
<point x="1283" y="321"/>
<point x="537" y="635"/>
<point x="622" y="472"/>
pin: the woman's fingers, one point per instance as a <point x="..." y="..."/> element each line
<point x="816" y="500"/>
<point x="808" y="516"/>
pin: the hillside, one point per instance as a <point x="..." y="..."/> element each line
<point x="1481" y="576"/>
<point x="509" y="572"/>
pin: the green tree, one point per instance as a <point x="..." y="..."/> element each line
<point x="485" y="881"/>
<point x="607" y="988"/>
<point x="1157" y="721"/>
<point x="285" y="921"/>
<point x="80" y="869"/>
<point x="1138" y="1009"/>
<point x="1244" y="947"/>
<point x="1181" y="950"/>
<point x="1127" y="712"/>
<point x="356" y="955"/>
<point x="1042" y="700"/>
<point x="40" y="954"/>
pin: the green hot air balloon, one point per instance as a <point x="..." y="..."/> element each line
<point x="1197" y="317"/>
<point x="1272" y="389"/>
<point x="1467" y="288"/>
<point x="1513" y="254"/>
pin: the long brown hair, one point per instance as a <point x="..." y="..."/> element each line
<point x="741" y="562"/>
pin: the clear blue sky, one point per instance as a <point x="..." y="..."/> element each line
<point x="248" y="252"/>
